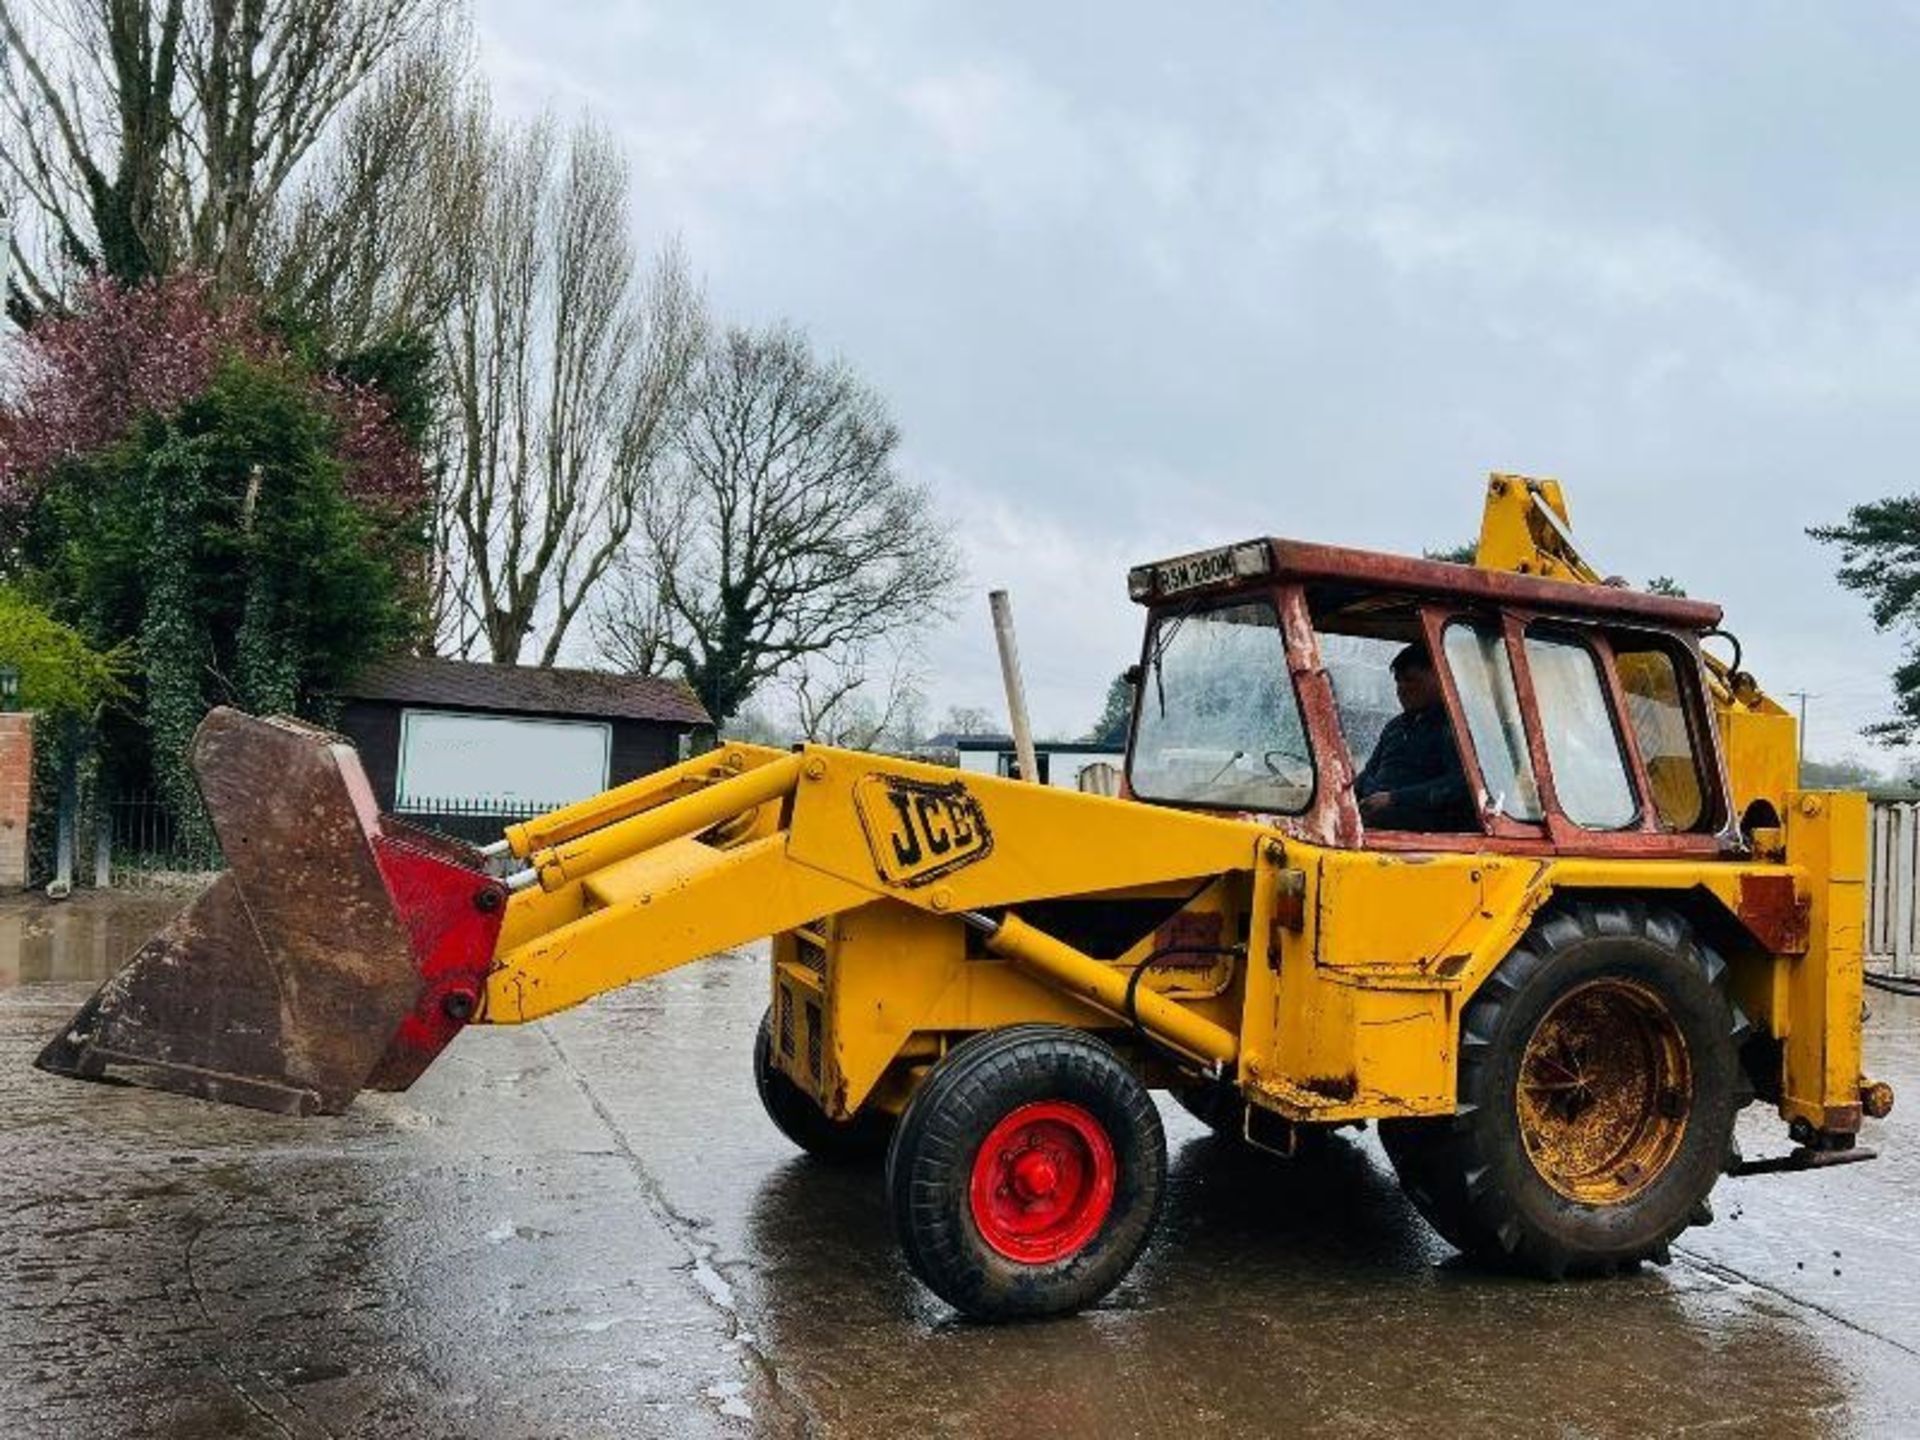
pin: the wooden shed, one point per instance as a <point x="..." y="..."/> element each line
<point x="473" y="744"/>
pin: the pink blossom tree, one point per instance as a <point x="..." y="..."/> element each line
<point x="76" y="383"/>
<point x="176" y="474"/>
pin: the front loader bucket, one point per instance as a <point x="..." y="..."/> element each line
<point x="338" y="951"/>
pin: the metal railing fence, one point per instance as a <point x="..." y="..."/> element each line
<point x="477" y="820"/>
<point x="137" y="844"/>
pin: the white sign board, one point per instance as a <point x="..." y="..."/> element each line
<point x="465" y="758"/>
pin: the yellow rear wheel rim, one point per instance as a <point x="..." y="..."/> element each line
<point x="1604" y="1091"/>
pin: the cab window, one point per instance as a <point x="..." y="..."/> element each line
<point x="1589" y="769"/>
<point x="1483" y="679"/>
<point x="1360" y="670"/>
<point x="1219" y="724"/>
<point x="1392" y="712"/>
<point x="1657" y="713"/>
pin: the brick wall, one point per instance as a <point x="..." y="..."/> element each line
<point x="16" y="787"/>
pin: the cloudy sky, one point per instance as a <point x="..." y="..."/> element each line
<point x="1139" y="278"/>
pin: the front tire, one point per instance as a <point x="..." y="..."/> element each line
<point x="1598" y="1083"/>
<point x="1027" y="1173"/>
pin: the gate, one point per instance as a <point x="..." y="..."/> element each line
<point x="1893" y="867"/>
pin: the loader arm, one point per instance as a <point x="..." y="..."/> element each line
<point x="761" y="842"/>
<point x="343" y="950"/>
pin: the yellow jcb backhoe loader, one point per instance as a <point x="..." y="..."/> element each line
<point x="1497" y="856"/>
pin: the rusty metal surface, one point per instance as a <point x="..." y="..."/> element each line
<point x="1774" y="910"/>
<point x="1333" y="817"/>
<point x="1602" y="1093"/>
<point x="1301" y="560"/>
<point x="281" y="986"/>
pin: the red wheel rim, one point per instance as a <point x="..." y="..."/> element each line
<point x="1043" y="1182"/>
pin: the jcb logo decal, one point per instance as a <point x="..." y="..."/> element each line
<point x="918" y="830"/>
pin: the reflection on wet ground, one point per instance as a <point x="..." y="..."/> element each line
<point x="83" y="939"/>
<point x="587" y="1228"/>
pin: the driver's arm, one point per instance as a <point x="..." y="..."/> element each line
<point x="1368" y="781"/>
<point x="1445" y="792"/>
<point x="1441" y="796"/>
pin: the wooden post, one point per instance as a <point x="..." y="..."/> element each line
<point x="1002" y="609"/>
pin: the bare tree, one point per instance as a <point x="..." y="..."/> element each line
<point x="782" y="532"/>
<point x="564" y="366"/>
<point x="910" y="727"/>
<point x="757" y="727"/>
<point x="970" y="720"/>
<point x="152" y="135"/>
<point x="851" y="702"/>
<point x="364" y="245"/>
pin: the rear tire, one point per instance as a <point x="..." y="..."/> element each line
<point x="1027" y="1173"/>
<point x="1598" y="1083"/>
<point x="796" y="1116"/>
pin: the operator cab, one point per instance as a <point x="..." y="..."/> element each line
<point x="1365" y="699"/>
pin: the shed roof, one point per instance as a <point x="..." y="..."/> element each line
<point x="525" y="690"/>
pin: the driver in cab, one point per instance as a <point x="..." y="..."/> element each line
<point x="1413" y="780"/>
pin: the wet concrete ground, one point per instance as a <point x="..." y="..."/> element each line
<point x="587" y="1228"/>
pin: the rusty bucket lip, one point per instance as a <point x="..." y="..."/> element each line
<point x="292" y="981"/>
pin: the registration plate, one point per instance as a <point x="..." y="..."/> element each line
<point x="1190" y="572"/>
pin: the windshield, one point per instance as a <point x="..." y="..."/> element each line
<point x="1219" y="724"/>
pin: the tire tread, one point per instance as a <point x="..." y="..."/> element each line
<point x="1450" y="1168"/>
<point x="929" y="1169"/>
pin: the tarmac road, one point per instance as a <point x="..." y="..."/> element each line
<point x="587" y="1228"/>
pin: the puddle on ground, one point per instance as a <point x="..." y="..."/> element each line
<point x="87" y="937"/>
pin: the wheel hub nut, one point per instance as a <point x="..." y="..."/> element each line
<point x="1035" y="1176"/>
